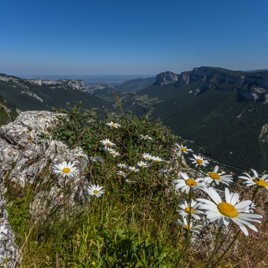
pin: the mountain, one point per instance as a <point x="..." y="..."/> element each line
<point x="221" y="109"/>
<point x="30" y="94"/>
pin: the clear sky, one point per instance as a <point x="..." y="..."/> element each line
<point x="131" y="36"/>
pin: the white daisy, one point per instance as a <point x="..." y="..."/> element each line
<point x="147" y="156"/>
<point x="66" y="169"/>
<point x="121" y="165"/>
<point x="229" y="210"/>
<point x="113" y="125"/>
<point x="199" y="161"/>
<point x="107" y="143"/>
<point x="218" y="177"/>
<point x="256" y="179"/>
<point x="108" y="149"/>
<point x="143" y="164"/>
<point x="185" y="183"/>
<point x="133" y="169"/>
<point x="145" y="137"/>
<point x="121" y="173"/>
<point x="182" y="149"/>
<point x="189" y="226"/>
<point x="95" y="190"/>
<point x="187" y="209"/>
<point x="114" y="153"/>
<point x="156" y="159"/>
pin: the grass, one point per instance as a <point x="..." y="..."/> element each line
<point x="130" y="225"/>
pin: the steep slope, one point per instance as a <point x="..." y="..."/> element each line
<point x="222" y="110"/>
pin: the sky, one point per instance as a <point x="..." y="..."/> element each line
<point x="99" y="37"/>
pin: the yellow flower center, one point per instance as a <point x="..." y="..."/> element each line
<point x="260" y="182"/>
<point x="214" y="175"/>
<point x="146" y="157"/>
<point x="114" y="125"/>
<point x="199" y="161"/>
<point x="184" y="149"/>
<point x="30" y="139"/>
<point x="227" y="209"/>
<point x="66" y="170"/>
<point x="95" y="191"/>
<point x="93" y="263"/>
<point x="187" y="226"/>
<point x="146" y="137"/>
<point x="191" y="182"/>
<point x="157" y="161"/>
<point x="188" y="210"/>
<point x="107" y="143"/>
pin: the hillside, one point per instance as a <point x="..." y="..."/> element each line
<point x="221" y="109"/>
<point x="29" y="94"/>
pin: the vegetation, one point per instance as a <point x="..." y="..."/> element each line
<point x="134" y="223"/>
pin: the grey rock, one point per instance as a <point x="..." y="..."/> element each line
<point x="263" y="143"/>
<point x="9" y="252"/>
<point x="166" y="78"/>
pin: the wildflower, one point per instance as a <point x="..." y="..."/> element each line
<point x="133" y="169"/>
<point x="108" y="149"/>
<point x="185" y="183"/>
<point x="186" y="209"/>
<point x="156" y="159"/>
<point x="256" y="179"/>
<point x="189" y="226"/>
<point x="107" y="143"/>
<point x="147" y="156"/>
<point x="113" y="125"/>
<point x="120" y="165"/>
<point x="97" y="158"/>
<point x="114" y="153"/>
<point x="183" y="149"/>
<point x="66" y="169"/>
<point x="142" y="164"/>
<point x="199" y="161"/>
<point x="145" y="137"/>
<point x="218" y="177"/>
<point x="229" y="210"/>
<point x="95" y="190"/>
<point x="121" y="173"/>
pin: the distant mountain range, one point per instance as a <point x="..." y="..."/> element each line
<point x="223" y="111"/>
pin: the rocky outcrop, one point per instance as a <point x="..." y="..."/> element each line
<point x="9" y="252"/>
<point x="166" y="78"/>
<point x="28" y="156"/>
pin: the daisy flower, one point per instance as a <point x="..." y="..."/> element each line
<point x="218" y="177"/>
<point x="186" y="209"/>
<point x="198" y="161"/>
<point x="120" y="165"/>
<point x="189" y="226"/>
<point x="143" y="164"/>
<point x="145" y="137"/>
<point x="108" y="149"/>
<point x="66" y="169"/>
<point x="121" y="173"/>
<point x="133" y="169"/>
<point x="229" y="210"/>
<point x="183" y="149"/>
<point x="95" y="190"/>
<point x="156" y="159"/>
<point x="107" y="143"/>
<point x="147" y="156"/>
<point x="185" y="183"/>
<point x="256" y="179"/>
<point x="114" y="153"/>
<point x="113" y="125"/>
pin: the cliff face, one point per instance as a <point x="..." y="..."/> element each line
<point x="250" y="86"/>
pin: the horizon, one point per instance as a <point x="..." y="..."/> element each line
<point x="122" y="38"/>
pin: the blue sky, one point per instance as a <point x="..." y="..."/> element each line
<point x="131" y="37"/>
